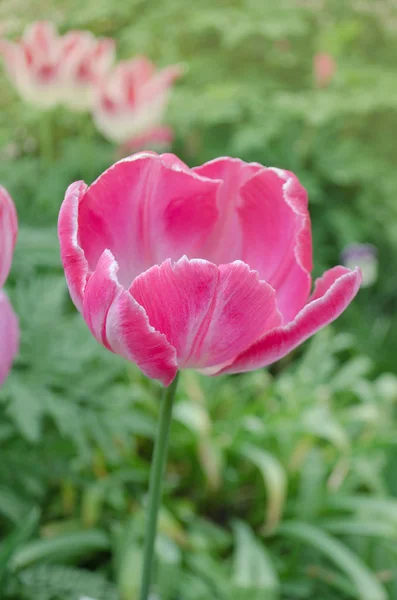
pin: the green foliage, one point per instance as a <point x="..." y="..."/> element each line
<point x="281" y="484"/>
<point x="57" y="582"/>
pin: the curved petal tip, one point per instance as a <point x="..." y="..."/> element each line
<point x="72" y="255"/>
<point x="332" y="294"/>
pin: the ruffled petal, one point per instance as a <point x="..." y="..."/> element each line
<point x="276" y="234"/>
<point x="9" y="336"/>
<point x="72" y="255"/>
<point x="119" y="323"/>
<point x="332" y="295"/>
<point x="145" y="210"/>
<point x="8" y="233"/>
<point x="323" y="283"/>
<point x="209" y="314"/>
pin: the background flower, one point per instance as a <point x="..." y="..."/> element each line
<point x="48" y="69"/>
<point x="34" y="63"/>
<point x="85" y="62"/>
<point x="324" y="66"/>
<point x="364" y="256"/>
<point x="132" y="100"/>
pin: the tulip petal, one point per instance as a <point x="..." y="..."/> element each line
<point x="208" y="313"/>
<point x="8" y="233"/>
<point x="277" y="236"/>
<point x="140" y="70"/>
<point x="119" y="323"/>
<point x="225" y="243"/>
<point x="72" y="255"/>
<point x="263" y="220"/>
<point x="9" y="336"/>
<point x="40" y="36"/>
<point x="145" y="210"/>
<point x="333" y="293"/>
<point x="163" y="80"/>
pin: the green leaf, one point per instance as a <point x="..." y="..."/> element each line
<point x="254" y="575"/>
<point x="275" y="479"/>
<point x="19" y="535"/>
<point x="11" y="505"/>
<point x="366" y="505"/>
<point x="364" y="581"/>
<point x="361" y="527"/>
<point x="61" y="548"/>
<point x="46" y="582"/>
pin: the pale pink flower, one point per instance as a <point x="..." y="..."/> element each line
<point x="85" y="61"/>
<point x="9" y="329"/>
<point x="205" y="268"/>
<point x="132" y="100"/>
<point x="324" y="66"/>
<point x="48" y="69"/>
<point x="33" y="64"/>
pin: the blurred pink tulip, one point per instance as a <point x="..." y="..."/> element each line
<point x="85" y="62"/>
<point x="132" y="100"/>
<point x="205" y="268"/>
<point x="9" y="329"/>
<point x="33" y="64"/>
<point x="48" y="69"/>
<point x="324" y="66"/>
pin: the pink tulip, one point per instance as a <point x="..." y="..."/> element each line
<point x="48" y="69"/>
<point x="324" y="66"/>
<point x="133" y="98"/>
<point x="9" y="329"/>
<point x="205" y="268"/>
<point x="33" y="64"/>
<point x="85" y="62"/>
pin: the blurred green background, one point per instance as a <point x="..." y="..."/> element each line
<point x="281" y="484"/>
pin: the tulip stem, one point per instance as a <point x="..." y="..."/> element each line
<point x="156" y="484"/>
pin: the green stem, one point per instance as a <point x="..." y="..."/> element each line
<point x="47" y="137"/>
<point x="156" y="484"/>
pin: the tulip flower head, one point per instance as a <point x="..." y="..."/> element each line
<point x="132" y="100"/>
<point x="33" y="64"/>
<point x="48" y="69"/>
<point x="9" y="329"/>
<point x="85" y="62"/>
<point x="206" y="268"/>
<point x="324" y="66"/>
